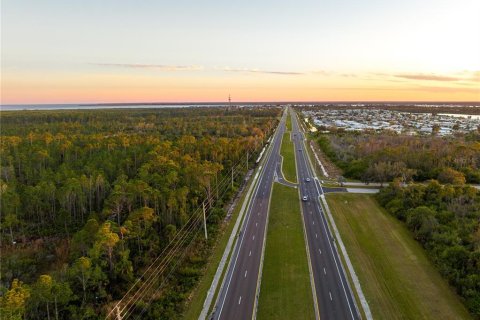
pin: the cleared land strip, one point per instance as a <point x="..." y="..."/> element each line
<point x="397" y="278"/>
<point x="285" y="289"/>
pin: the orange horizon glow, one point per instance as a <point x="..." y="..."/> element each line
<point x="85" y="52"/>
<point x="124" y="88"/>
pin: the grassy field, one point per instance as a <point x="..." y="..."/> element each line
<point x="397" y="278"/>
<point x="285" y="291"/>
<point x="288" y="165"/>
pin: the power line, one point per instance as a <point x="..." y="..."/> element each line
<point x="150" y="281"/>
<point x="157" y="272"/>
<point x="174" y="245"/>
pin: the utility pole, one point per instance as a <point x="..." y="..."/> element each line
<point x="204" y="221"/>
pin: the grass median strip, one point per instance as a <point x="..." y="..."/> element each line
<point x="285" y="290"/>
<point x="397" y="278"/>
<point x="288" y="123"/>
<point x="287" y="152"/>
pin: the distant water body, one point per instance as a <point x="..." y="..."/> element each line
<point x="100" y="106"/>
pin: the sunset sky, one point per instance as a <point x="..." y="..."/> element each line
<point x="265" y="50"/>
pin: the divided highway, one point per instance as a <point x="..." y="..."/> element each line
<point x="237" y="297"/>
<point x="334" y="298"/>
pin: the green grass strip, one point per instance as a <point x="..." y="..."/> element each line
<point x="285" y="290"/>
<point x="396" y="276"/>
<point x="288" y="153"/>
<point x="288" y="123"/>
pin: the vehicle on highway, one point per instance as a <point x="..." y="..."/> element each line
<point x="307" y="179"/>
<point x="305" y="198"/>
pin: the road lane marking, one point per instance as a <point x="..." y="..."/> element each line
<point x="240" y="300"/>
<point x="256" y="224"/>
<point x="250" y="253"/>
<point x="239" y="245"/>
<point x="324" y="271"/>
<point x="328" y="293"/>
<point x="320" y="251"/>
<point x="313" y="222"/>
<point x="316" y="235"/>
<point x="245" y="273"/>
<point x="253" y="238"/>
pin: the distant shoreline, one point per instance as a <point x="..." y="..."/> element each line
<point x="460" y="107"/>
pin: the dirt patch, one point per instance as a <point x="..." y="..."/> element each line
<point x="333" y="171"/>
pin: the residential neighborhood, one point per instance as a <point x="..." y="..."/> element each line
<point x="400" y="122"/>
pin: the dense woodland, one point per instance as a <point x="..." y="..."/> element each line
<point x="445" y="219"/>
<point x="90" y="198"/>
<point x="384" y="156"/>
<point x="442" y="212"/>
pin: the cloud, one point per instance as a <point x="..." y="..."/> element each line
<point x="428" y="77"/>
<point x="245" y="70"/>
<point x="323" y="72"/>
<point x="448" y="89"/>
<point x="160" y="67"/>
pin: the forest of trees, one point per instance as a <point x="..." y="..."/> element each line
<point x="442" y="212"/>
<point x="382" y="156"/>
<point x="445" y="219"/>
<point x="90" y="198"/>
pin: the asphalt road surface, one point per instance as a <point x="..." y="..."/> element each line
<point x="237" y="298"/>
<point x="334" y="297"/>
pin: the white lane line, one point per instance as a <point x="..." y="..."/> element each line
<point x="250" y="253"/>
<point x="253" y="238"/>
<point x="320" y="251"/>
<point x="245" y="273"/>
<point x="316" y="236"/>
<point x="313" y="222"/>
<point x="256" y="224"/>
<point x="329" y="294"/>
<point x="240" y="300"/>
<point x="324" y="271"/>
<point x="248" y="215"/>
<point x="323" y="218"/>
